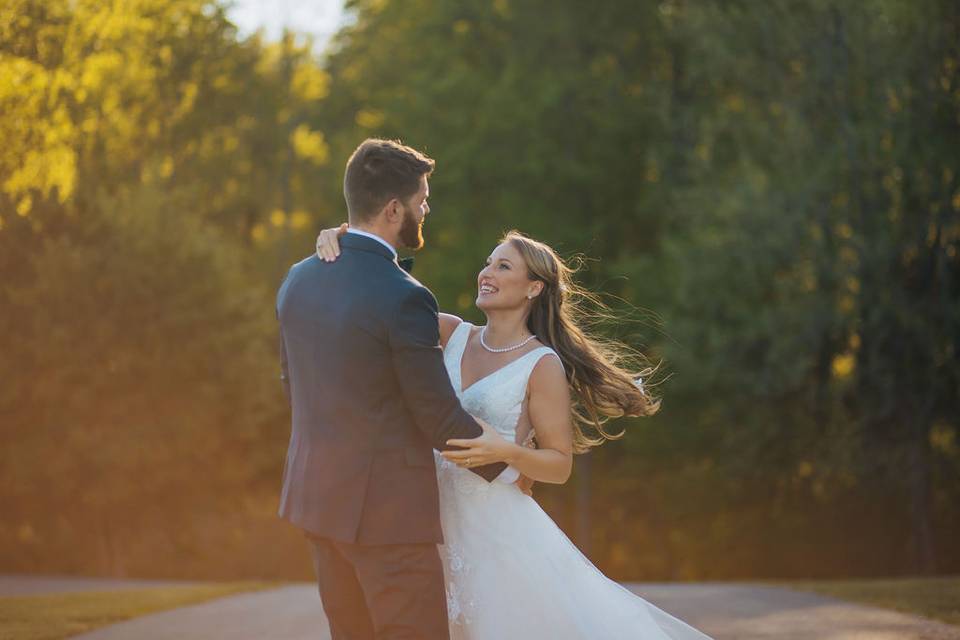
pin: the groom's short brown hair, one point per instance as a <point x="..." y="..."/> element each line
<point x="378" y="171"/>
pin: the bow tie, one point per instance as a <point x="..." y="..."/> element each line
<point x="406" y="264"/>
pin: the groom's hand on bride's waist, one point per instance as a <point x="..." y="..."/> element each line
<point x="525" y="484"/>
<point x="487" y="448"/>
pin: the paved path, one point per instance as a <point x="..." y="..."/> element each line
<point x="722" y="610"/>
<point x="287" y="613"/>
<point x="752" y="612"/>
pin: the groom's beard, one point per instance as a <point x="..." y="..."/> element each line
<point x="411" y="231"/>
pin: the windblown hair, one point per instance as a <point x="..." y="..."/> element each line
<point x="599" y="371"/>
<point x="379" y="171"/>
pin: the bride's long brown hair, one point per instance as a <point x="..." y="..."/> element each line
<point x="600" y="371"/>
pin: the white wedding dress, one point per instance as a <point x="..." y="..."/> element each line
<point x="511" y="573"/>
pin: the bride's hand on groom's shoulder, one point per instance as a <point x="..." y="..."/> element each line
<point x="328" y="242"/>
<point x="487" y="448"/>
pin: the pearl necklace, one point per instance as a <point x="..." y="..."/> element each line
<point x="505" y="349"/>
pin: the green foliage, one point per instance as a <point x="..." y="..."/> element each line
<point x="836" y="216"/>
<point x="779" y="184"/>
<point x="768" y="194"/>
<point x="139" y="390"/>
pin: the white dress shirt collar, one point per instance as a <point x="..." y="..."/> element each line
<point x="375" y="237"/>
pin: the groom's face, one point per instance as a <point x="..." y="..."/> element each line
<point x="414" y="212"/>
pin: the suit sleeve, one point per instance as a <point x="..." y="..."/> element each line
<point x="418" y="362"/>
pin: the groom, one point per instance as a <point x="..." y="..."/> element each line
<point x="371" y="399"/>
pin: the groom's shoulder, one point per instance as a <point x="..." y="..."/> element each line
<point x="397" y="289"/>
<point x="296" y="271"/>
<point x="380" y="278"/>
<point x="404" y="287"/>
<point x="308" y="263"/>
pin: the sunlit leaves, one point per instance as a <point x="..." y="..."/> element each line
<point x="35" y="158"/>
<point x="369" y="119"/>
<point x="843" y="365"/>
<point x="144" y="149"/>
<point x="309" y="145"/>
<point x="310" y="82"/>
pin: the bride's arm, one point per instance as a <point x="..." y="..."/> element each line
<point x="550" y="415"/>
<point x="448" y="323"/>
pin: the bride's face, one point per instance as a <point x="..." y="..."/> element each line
<point x="504" y="283"/>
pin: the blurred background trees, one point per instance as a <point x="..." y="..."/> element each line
<point x="768" y="194"/>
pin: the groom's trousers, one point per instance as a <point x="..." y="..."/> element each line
<point x="381" y="592"/>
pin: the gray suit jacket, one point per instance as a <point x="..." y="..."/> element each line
<point x="370" y="399"/>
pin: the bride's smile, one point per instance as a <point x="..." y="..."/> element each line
<point x="504" y="283"/>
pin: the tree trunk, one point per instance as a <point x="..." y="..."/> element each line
<point x="920" y="495"/>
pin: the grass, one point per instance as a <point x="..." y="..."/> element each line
<point x="56" y="616"/>
<point x="936" y="598"/>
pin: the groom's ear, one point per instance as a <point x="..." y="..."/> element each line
<point x="393" y="211"/>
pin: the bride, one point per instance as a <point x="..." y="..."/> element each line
<point x="533" y="373"/>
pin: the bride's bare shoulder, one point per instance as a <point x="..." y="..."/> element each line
<point x="448" y="323"/>
<point x="549" y="369"/>
<point x="548" y="377"/>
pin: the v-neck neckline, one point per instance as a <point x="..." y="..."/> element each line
<point x="466" y="343"/>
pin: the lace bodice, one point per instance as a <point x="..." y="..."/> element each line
<point x="496" y="398"/>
